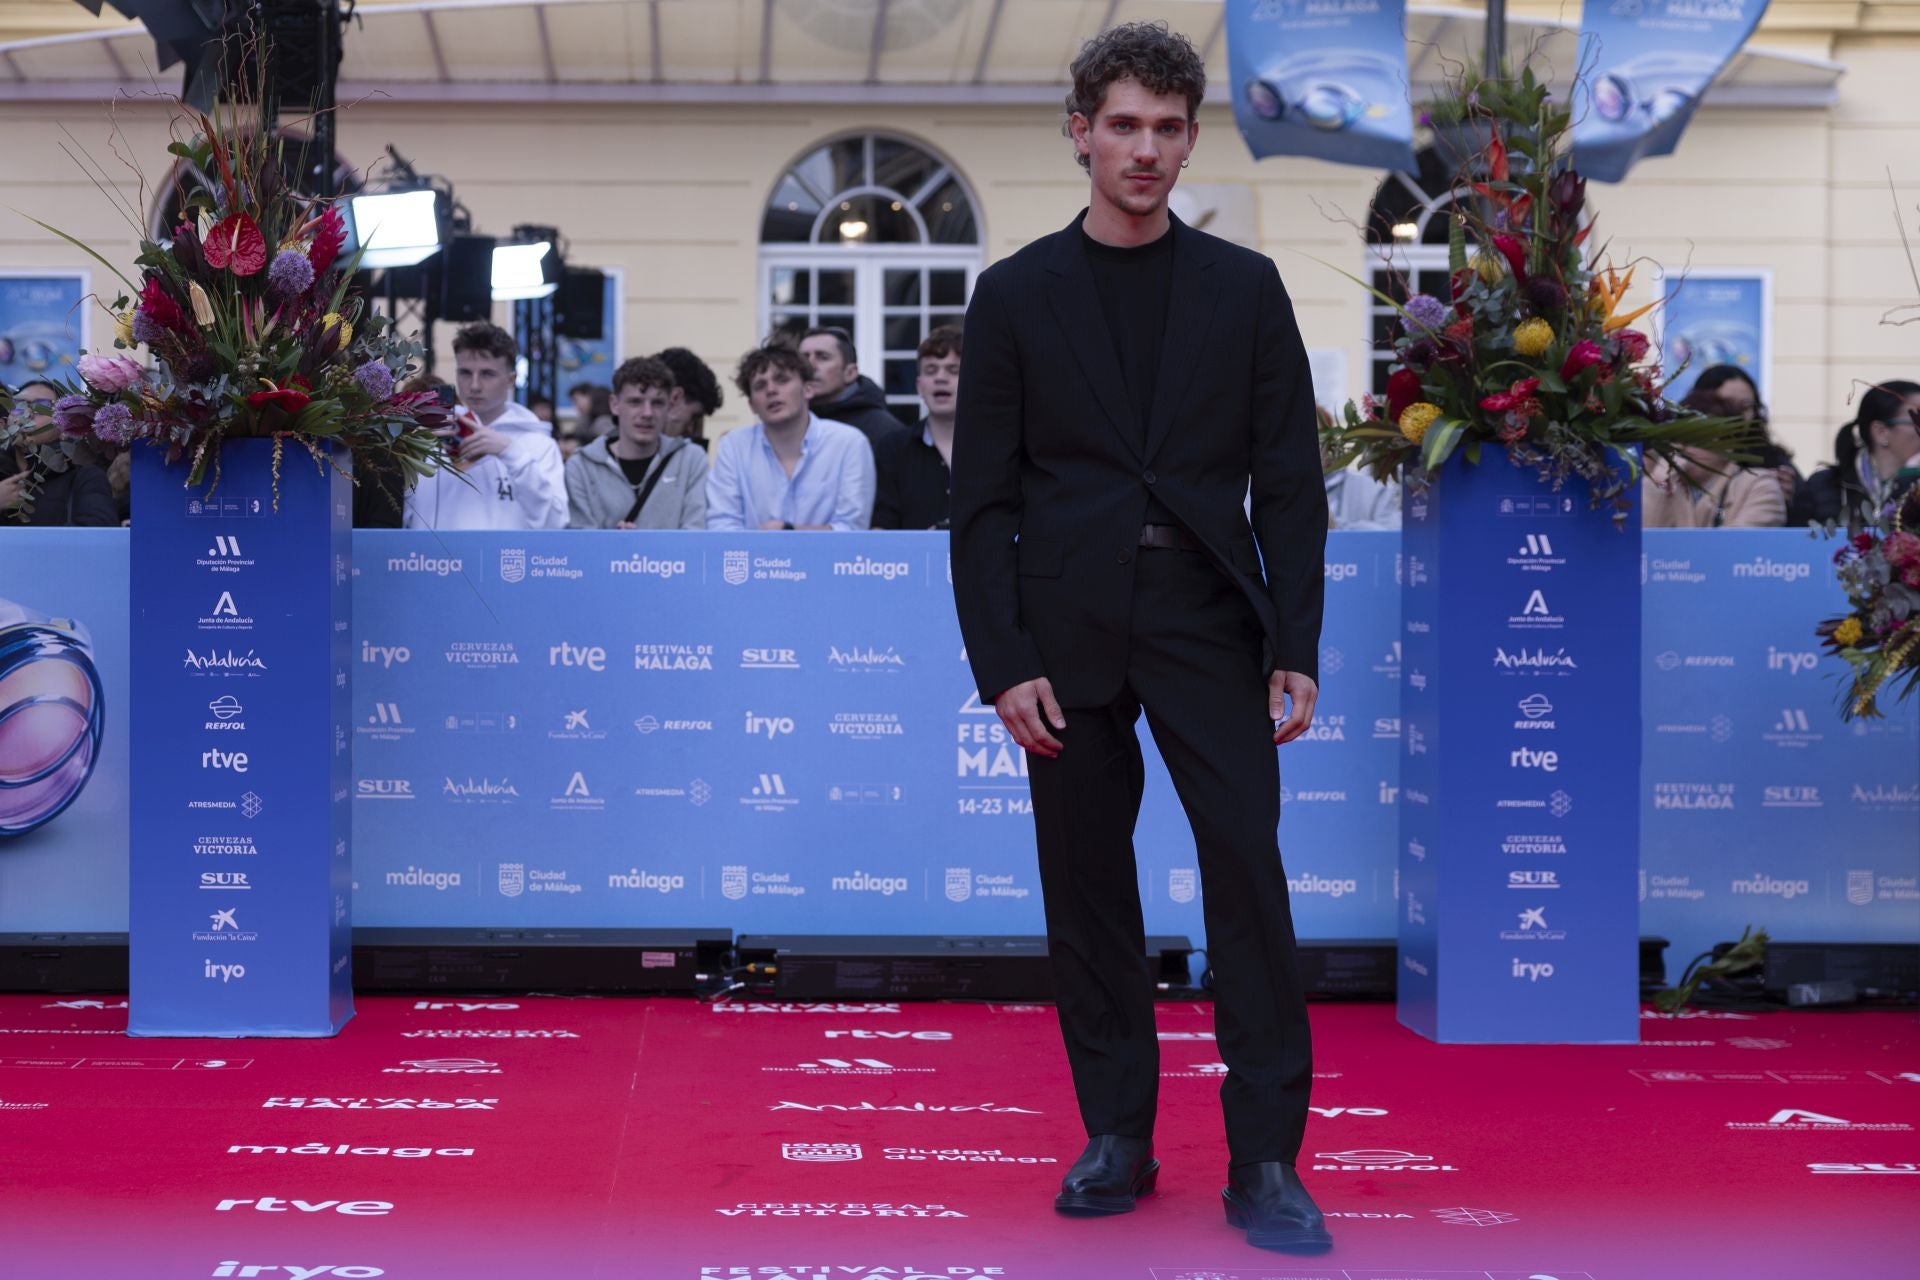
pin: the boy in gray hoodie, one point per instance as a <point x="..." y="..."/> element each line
<point x="638" y="478"/>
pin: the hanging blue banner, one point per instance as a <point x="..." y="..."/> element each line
<point x="1652" y="61"/>
<point x="1322" y="78"/>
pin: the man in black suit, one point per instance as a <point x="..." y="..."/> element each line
<point x="1125" y="380"/>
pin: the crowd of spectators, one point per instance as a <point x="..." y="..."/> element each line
<point x="826" y="451"/>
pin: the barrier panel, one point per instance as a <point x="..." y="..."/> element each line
<point x="634" y="729"/>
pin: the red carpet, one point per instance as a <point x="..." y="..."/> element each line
<point x="666" y="1140"/>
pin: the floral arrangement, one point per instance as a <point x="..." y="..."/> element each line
<point x="1879" y="636"/>
<point x="254" y="330"/>
<point x="1532" y="350"/>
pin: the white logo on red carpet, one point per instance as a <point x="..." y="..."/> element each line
<point x="1758" y="1042"/>
<point x="464" y="1006"/>
<point x="993" y="1108"/>
<point x="804" y="1007"/>
<point x="85" y="1004"/>
<point x="381" y="1104"/>
<point x="962" y="1155"/>
<point x="1463" y="1217"/>
<point x="821" y="1152"/>
<point x="444" y="1067"/>
<point x="801" y="1209"/>
<point x="275" y="1204"/>
<point x="298" y="1273"/>
<point x="489" y="1035"/>
<point x="1379" y="1160"/>
<point x="345" y="1149"/>
<point x="890" y="1035"/>
<point x="1794" y="1120"/>
<point x="23" y="1106"/>
<point x="850" y="1067"/>
<point x="1908" y="1168"/>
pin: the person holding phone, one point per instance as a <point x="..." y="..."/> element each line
<point x="507" y="470"/>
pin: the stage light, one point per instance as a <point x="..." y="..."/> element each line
<point x="853" y="229"/>
<point x="398" y="228"/>
<point x="1406" y="231"/>
<point x="525" y="271"/>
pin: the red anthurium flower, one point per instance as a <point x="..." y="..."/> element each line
<point x="1403" y="388"/>
<point x="1497" y="160"/>
<point x="1512" y="397"/>
<point x="289" y="399"/>
<point x="1585" y="354"/>
<point x="236" y="244"/>
<point x="328" y="238"/>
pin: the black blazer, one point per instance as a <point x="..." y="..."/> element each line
<point x="1050" y="484"/>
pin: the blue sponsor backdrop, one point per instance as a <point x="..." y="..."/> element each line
<point x="1757" y="804"/>
<point x="1517" y="857"/>
<point x="1650" y="63"/>
<point x="1326" y="79"/>
<point x="69" y="871"/>
<point x="240" y="916"/>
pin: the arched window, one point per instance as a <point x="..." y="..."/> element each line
<point x="874" y="234"/>
<point x="1406" y="250"/>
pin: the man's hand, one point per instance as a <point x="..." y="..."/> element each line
<point x="481" y="441"/>
<point x="1282" y="685"/>
<point x="773" y="526"/>
<point x="12" y="489"/>
<point x="1020" y="710"/>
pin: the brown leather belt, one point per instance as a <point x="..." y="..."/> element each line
<point x="1167" y="537"/>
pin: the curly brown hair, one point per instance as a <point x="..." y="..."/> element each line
<point x="773" y="355"/>
<point x="643" y="372"/>
<point x="1151" y="54"/>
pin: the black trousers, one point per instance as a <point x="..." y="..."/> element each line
<point x="1194" y="667"/>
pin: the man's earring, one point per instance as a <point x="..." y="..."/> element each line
<point x="1185" y="163"/>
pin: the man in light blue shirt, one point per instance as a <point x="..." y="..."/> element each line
<point x="790" y="470"/>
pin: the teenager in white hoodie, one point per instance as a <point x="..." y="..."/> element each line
<point x="508" y="472"/>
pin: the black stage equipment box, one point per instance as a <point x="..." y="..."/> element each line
<point x="63" y="962"/>
<point x="607" y="961"/>
<point x="923" y="967"/>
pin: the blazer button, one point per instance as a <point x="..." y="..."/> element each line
<point x="1150" y="478"/>
<point x="1124" y="557"/>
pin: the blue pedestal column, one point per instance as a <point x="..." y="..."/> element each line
<point x="1520" y="762"/>
<point x="241" y="874"/>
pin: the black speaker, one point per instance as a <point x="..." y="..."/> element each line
<point x="466" y="279"/>
<point x="579" y="309"/>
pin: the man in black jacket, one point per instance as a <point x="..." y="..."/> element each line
<point x="1125" y="380"/>
<point x="841" y="393"/>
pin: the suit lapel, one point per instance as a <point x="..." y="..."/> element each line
<point x="1196" y="287"/>
<point x="1076" y="305"/>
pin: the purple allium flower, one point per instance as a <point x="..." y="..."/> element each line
<point x="290" y="273"/>
<point x="114" y="423"/>
<point x="375" y="379"/>
<point x="146" y="329"/>
<point x="1426" y="312"/>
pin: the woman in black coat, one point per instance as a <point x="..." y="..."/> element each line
<point x="1870" y="453"/>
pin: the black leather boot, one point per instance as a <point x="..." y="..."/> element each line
<point x="1107" y="1177"/>
<point x="1275" y="1210"/>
